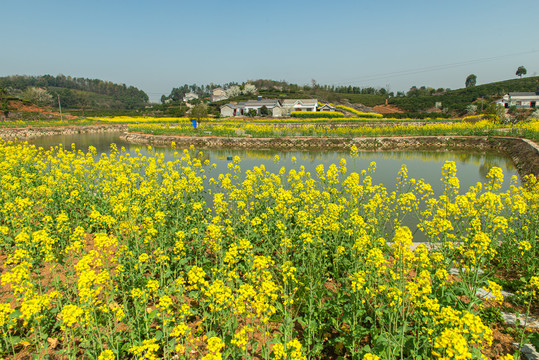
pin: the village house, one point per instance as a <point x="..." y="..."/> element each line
<point x="276" y="108"/>
<point x="521" y="99"/>
<point x="189" y="96"/>
<point x="231" y="110"/>
<point x="326" y="107"/>
<point x="218" y="94"/>
<point x="300" y="104"/>
<point x="242" y="108"/>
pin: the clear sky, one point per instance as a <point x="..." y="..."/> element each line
<point x="161" y="44"/>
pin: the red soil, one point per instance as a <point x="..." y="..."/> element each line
<point x="19" y="106"/>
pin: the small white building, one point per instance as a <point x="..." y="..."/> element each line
<point x="231" y="110"/>
<point x="301" y="104"/>
<point x="326" y="107"/>
<point x="521" y="99"/>
<point x="218" y="94"/>
<point x="190" y="96"/>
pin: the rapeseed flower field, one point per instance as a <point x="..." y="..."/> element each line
<point x="121" y="256"/>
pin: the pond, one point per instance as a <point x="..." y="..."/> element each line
<point x="472" y="167"/>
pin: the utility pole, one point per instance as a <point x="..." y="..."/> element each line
<point x="60" y="107"/>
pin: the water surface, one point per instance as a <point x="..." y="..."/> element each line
<point x="472" y="167"/>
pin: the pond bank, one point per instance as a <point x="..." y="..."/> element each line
<point x="35" y="132"/>
<point x="523" y="152"/>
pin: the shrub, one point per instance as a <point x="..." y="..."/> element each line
<point x="317" y="114"/>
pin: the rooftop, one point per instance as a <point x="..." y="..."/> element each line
<point x="291" y="102"/>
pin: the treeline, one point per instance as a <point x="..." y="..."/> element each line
<point x="314" y="87"/>
<point x="276" y="88"/>
<point x="203" y="91"/>
<point x="78" y="92"/>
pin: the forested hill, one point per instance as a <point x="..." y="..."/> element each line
<point x="78" y="92"/>
<point x="420" y="99"/>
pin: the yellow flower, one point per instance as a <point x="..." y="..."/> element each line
<point x="370" y="356"/>
<point x="106" y="355"/>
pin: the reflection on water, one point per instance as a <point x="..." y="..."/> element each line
<point x="472" y="167"/>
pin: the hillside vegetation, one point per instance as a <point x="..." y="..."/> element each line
<point x="74" y="93"/>
<point x="457" y="100"/>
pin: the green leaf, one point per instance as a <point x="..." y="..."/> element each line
<point x="15" y="314"/>
<point x="534" y="340"/>
<point x="153" y="314"/>
<point x="14" y="340"/>
<point x="158" y="335"/>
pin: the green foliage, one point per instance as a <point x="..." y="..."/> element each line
<point x="521" y="71"/>
<point x="458" y="100"/>
<point x="117" y="95"/>
<point x="199" y="111"/>
<point x="491" y="315"/>
<point x="496" y="111"/>
<point x="264" y="111"/>
<point x="251" y="113"/>
<point x="471" y="80"/>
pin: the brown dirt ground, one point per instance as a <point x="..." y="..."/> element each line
<point x="387" y="109"/>
<point x="19" y="106"/>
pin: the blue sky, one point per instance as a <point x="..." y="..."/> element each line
<point x="158" y="45"/>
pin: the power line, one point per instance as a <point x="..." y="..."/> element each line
<point x="430" y="68"/>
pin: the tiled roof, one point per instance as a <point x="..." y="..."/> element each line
<point x="262" y="103"/>
<point x="307" y="102"/>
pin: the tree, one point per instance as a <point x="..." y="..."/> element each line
<point x="521" y="71"/>
<point x="314" y="85"/>
<point x="497" y="111"/>
<point x="233" y="91"/>
<point x="4" y="103"/>
<point x="264" y="111"/>
<point x="37" y="96"/>
<point x="83" y="99"/>
<point x="249" y="89"/>
<point x="471" y="80"/>
<point x="199" y="111"/>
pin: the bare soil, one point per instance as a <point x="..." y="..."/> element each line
<point x="19" y="106"/>
<point x="387" y="109"/>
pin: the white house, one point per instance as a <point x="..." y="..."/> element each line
<point x="242" y="108"/>
<point x="521" y="99"/>
<point x="274" y="106"/>
<point x="327" y="107"/>
<point x="231" y="110"/>
<point x="301" y="104"/>
<point x="218" y="94"/>
<point x="189" y="96"/>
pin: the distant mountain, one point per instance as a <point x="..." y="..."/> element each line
<point x="77" y="93"/>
